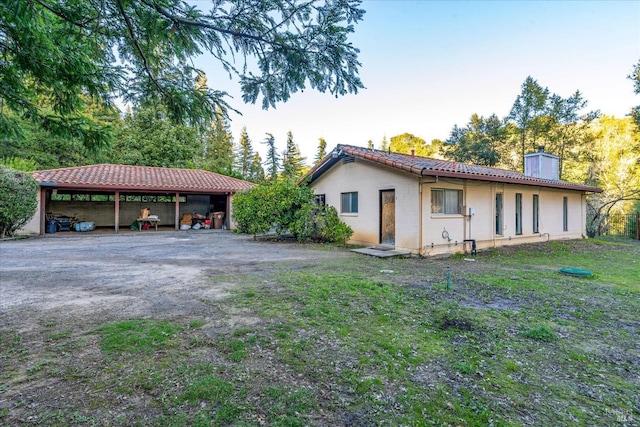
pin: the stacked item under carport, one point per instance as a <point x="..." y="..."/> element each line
<point x="185" y="221"/>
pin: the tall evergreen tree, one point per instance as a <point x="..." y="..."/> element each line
<point x="292" y="161"/>
<point x="385" y="144"/>
<point x="256" y="171"/>
<point x="273" y="160"/>
<point x="322" y="150"/>
<point x="149" y="138"/>
<point x="218" y="146"/>
<point x="244" y="154"/>
<point x="370" y="144"/>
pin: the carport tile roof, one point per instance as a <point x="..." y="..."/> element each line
<point x="139" y="178"/>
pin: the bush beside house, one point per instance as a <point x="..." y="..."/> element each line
<point x="18" y="200"/>
<point x="286" y="207"/>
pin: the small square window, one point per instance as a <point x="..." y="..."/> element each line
<point x="445" y="201"/>
<point x="349" y="202"/>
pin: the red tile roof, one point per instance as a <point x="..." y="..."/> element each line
<point x="424" y="166"/>
<point x="139" y="178"/>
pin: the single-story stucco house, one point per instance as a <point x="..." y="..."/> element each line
<point x="113" y="195"/>
<point x="430" y="206"/>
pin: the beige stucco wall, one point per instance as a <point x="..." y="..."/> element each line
<point x="481" y="226"/>
<point x="368" y="181"/>
<point x="33" y="226"/>
<point x="413" y="201"/>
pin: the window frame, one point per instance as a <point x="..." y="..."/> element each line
<point x="445" y="195"/>
<point x="565" y="214"/>
<point x="349" y="208"/>
<point x="518" y="214"/>
<point x="499" y="219"/>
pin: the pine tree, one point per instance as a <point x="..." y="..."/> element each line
<point x="292" y="160"/>
<point x="370" y="144"/>
<point x="244" y="154"/>
<point x="256" y="171"/>
<point x="218" y="146"/>
<point x="322" y="150"/>
<point x="385" y="144"/>
<point x="273" y="161"/>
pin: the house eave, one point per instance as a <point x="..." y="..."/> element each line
<point x="140" y="189"/>
<point x="504" y="180"/>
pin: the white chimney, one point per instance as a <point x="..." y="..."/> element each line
<point x="541" y="165"/>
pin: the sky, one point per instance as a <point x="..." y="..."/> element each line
<point x="430" y="65"/>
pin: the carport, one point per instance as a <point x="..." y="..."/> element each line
<point x="113" y="195"/>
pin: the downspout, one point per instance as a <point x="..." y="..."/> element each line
<point x="494" y="187"/>
<point x="420" y="218"/>
<point x="583" y="214"/>
<point x="464" y="213"/>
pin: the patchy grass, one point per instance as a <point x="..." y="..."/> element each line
<point x="135" y="336"/>
<point x="338" y="342"/>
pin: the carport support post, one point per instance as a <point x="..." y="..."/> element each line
<point x="117" y="211"/>
<point x="43" y="209"/>
<point x="177" y="215"/>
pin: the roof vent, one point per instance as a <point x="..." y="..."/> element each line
<point x="541" y="165"/>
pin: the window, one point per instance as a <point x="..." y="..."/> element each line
<point x="349" y="202"/>
<point x="518" y="213"/>
<point x="319" y="199"/>
<point x="445" y="201"/>
<point x="499" y="213"/>
<point x="536" y="211"/>
<point x="565" y="219"/>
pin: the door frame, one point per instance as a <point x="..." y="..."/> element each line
<point x="380" y="217"/>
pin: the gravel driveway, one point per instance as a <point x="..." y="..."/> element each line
<point x="160" y="274"/>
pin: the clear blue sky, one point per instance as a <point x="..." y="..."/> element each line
<point x="429" y="65"/>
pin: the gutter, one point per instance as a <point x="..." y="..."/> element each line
<point x="109" y="188"/>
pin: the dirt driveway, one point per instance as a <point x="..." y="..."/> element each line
<point x="159" y="274"/>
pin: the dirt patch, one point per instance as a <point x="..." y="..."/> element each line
<point x="165" y="274"/>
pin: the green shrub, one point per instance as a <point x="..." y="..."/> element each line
<point x="285" y="206"/>
<point x="270" y="205"/>
<point x="18" y="200"/>
<point x="320" y="224"/>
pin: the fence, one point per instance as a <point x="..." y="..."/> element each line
<point x="627" y="225"/>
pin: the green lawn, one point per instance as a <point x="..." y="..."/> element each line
<point x="510" y="341"/>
